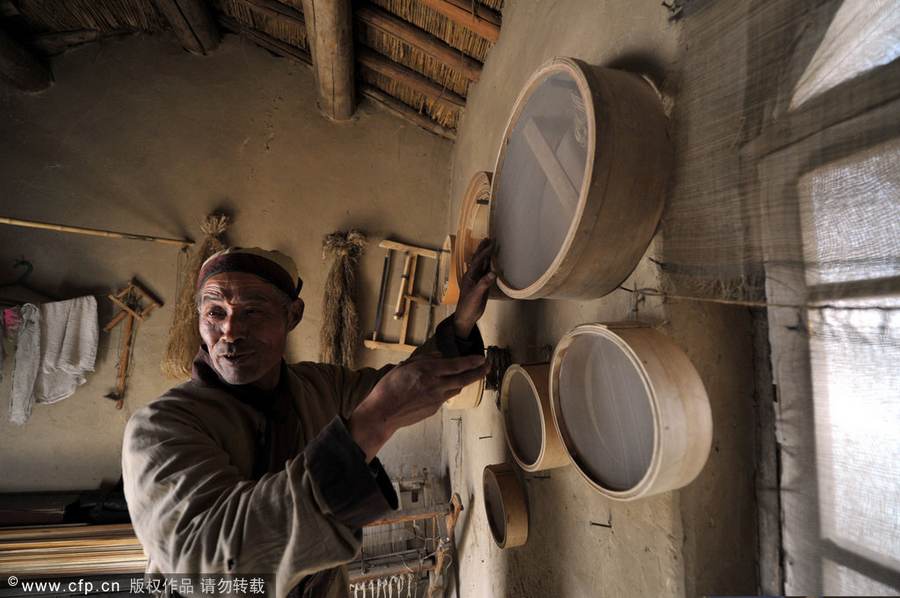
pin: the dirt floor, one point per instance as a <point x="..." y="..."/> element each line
<point x="692" y="542"/>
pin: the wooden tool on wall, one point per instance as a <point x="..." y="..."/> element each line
<point x="406" y="296"/>
<point x="135" y="304"/>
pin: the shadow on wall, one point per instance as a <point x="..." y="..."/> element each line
<point x="641" y="63"/>
<point x="120" y="195"/>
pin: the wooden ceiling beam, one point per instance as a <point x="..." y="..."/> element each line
<point x="401" y="74"/>
<point x="277" y="10"/>
<point x="193" y="24"/>
<point x="329" y="29"/>
<point x="382" y="20"/>
<point x="406" y="113"/>
<point x="478" y="19"/>
<point x="266" y="41"/>
<point x="20" y="67"/>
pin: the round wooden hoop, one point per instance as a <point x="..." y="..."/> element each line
<point x="553" y="452"/>
<point x="447" y="272"/>
<point x="682" y="418"/>
<point x="502" y="477"/>
<point x="629" y="158"/>
<point x="468" y="398"/>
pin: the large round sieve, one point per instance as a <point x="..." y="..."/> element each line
<point x="605" y="409"/>
<point x="630" y="408"/>
<point x="538" y="185"/>
<point x="579" y="181"/>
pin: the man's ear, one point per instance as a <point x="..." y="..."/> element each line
<point x="295" y="313"/>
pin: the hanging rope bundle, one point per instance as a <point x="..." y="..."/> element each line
<point x="340" y="336"/>
<point x="184" y="336"/>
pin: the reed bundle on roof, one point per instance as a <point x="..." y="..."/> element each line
<point x="282" y="28"/>
<point x="438" y="25"/>
<point x="103" y="15"/>
<point x="446" y="116"/>
<point x="407" y="55"/>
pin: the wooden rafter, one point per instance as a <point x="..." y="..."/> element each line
<point x="406" y="113"/>
<point x="193" y="24"/>
<point x="419" y="38"/>
<point x="477" y="19"/>
<point x="277" y="10"/>
<point x="401" y="74"/>
<point x="266" y="41"/>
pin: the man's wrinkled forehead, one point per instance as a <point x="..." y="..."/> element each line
<point x="238" y="287"/>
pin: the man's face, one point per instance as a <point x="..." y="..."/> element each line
<point x="244" y="321"/>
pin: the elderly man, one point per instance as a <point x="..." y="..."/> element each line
<point x="257" y="467"/>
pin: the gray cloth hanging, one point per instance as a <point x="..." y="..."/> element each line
<point x="69" y="337"/>
<point x="56" y="347"/>
<point x="27" y="364"/>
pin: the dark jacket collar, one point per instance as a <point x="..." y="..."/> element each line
<point x="264" y="401"/>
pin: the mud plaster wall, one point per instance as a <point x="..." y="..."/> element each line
<point x="691" y="542"/>
<point x="140" y="136"/>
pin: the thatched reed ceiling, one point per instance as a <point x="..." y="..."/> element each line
<point x="408" y="49"/>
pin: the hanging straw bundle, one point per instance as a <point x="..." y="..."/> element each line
<point x="340" y="319"/>
<point x="184" y="334"/>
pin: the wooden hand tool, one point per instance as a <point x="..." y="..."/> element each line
<point x="405" y="295"/>
<point x="130" y="301"/>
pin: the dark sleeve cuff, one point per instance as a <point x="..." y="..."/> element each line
<point x="351" y="490"/>
<point x="452" y="346"/>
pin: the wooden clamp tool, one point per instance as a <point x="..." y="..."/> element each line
<point x="405" y="295"/>
<point x="129" y="300"/>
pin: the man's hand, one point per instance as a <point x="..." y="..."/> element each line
<point x="474" y="290"/>
<point x="408" y="394"/>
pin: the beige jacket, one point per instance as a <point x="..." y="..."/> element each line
<point x="216" y="484"/>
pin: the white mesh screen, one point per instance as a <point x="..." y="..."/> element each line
<point x="604" y="407"/>
<point x="538" y="185"/>
<point x="524" y="419"/>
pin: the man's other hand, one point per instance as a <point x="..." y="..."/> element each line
<point x="409" y="393"/>
<point x="474" y="290"/>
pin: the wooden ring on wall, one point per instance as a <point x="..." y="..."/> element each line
<point x="447" y="272"/>
<point x="474" y="225"/>
<point x="530" y="428"/>
<point x="504" y="505"/>
<point x="468" y="398"/>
